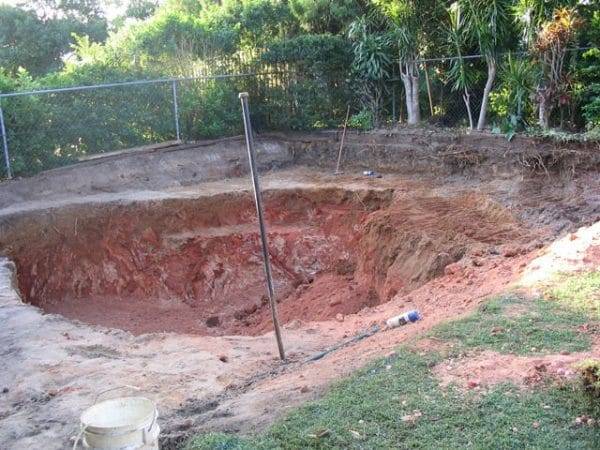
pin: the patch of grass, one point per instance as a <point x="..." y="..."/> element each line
<point x="397" y="403"/>
<point x="511" y="324"/>
<point x="579" y="291"/>
<point x="402" y="406"/>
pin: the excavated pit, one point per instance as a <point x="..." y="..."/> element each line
<point x="193" y="265"/>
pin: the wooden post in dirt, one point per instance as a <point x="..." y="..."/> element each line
<point x="259" y="211"/>
<point x="339" y="160"/>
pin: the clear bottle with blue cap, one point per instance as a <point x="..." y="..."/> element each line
<point x="403" y="319"/>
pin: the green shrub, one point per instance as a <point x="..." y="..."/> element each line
<point x="589" y="77"/>
<point x="511" y="102"/>
<point x="362" y="120"/>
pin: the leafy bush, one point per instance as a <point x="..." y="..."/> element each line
<point x="210" y="109"/>
<point x="590" y="79"/>
<point x="73" y="124"/>
<point x="511" y="102"/>
<point x="319" y="54"/>
<point x="362" y="120"/>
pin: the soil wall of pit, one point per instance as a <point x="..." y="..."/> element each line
<point x="414" y="150"/>
<point x="406" y="150"/>
<point x="194" y="265"/>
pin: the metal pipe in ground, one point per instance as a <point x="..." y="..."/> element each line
<point x="175" y="110"/>
<point x="259" y="211"/>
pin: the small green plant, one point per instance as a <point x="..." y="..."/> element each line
<point x="589" y="371"/>
<point x="362" y="120"/>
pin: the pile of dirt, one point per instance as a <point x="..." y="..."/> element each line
<point x="194" y="265"/>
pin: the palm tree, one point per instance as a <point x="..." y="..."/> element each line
<point x="405" y="21"/>
<point x="371" y="62"/>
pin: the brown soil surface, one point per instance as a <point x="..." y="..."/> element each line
<point x="452" y="242"/>
<point x="489" y="368"/>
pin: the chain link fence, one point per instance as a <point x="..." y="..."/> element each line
<point x="46" y="129"/>
<point x="56" y="127"/>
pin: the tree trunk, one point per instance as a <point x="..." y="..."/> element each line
<point x="410" y="79"/>
<point x="408" y="97"/>
<point x="491" y="65"/>
<point x="544" y="112"/>
<point x="467" y="100"/>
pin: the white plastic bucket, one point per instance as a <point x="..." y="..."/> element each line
<point x="121" y="423"/>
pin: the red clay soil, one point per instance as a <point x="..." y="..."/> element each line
<point x="489" y="368"/>
<point x="194" y="266"/>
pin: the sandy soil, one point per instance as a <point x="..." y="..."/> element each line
<point x="53" y="367"/>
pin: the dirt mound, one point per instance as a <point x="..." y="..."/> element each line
<point x="194" y="266"/>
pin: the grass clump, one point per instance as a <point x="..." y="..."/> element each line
<point x="511" y="324"/>
<point x="589" y="371"/>
<point x="580" y="291"/>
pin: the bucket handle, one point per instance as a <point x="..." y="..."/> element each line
<point x="145" y="430"/>
<point x="123" y="386"/>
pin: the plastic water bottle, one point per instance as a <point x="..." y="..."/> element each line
<point x="368" y="173"/>
<point x="403" y="319"/>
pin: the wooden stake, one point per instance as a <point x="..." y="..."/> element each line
<point x="339" y="160"/>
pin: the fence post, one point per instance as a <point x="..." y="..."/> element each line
<point x="393" y="102"/>
<point x="5" y="144"/>
<point x="175" y="109"/>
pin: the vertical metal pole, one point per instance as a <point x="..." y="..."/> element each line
<point x="175" y="110"/>
<point x="393" y="102"/>
<point x="429" y="90"/>
<point x="5" y="144"/>
<point x="259" y="210"/>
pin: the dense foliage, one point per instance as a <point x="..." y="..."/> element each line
<point x="314" y="58"/>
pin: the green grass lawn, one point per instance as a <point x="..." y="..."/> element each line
<point x="397" y="403"/>
<point x="510" y="324"/>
